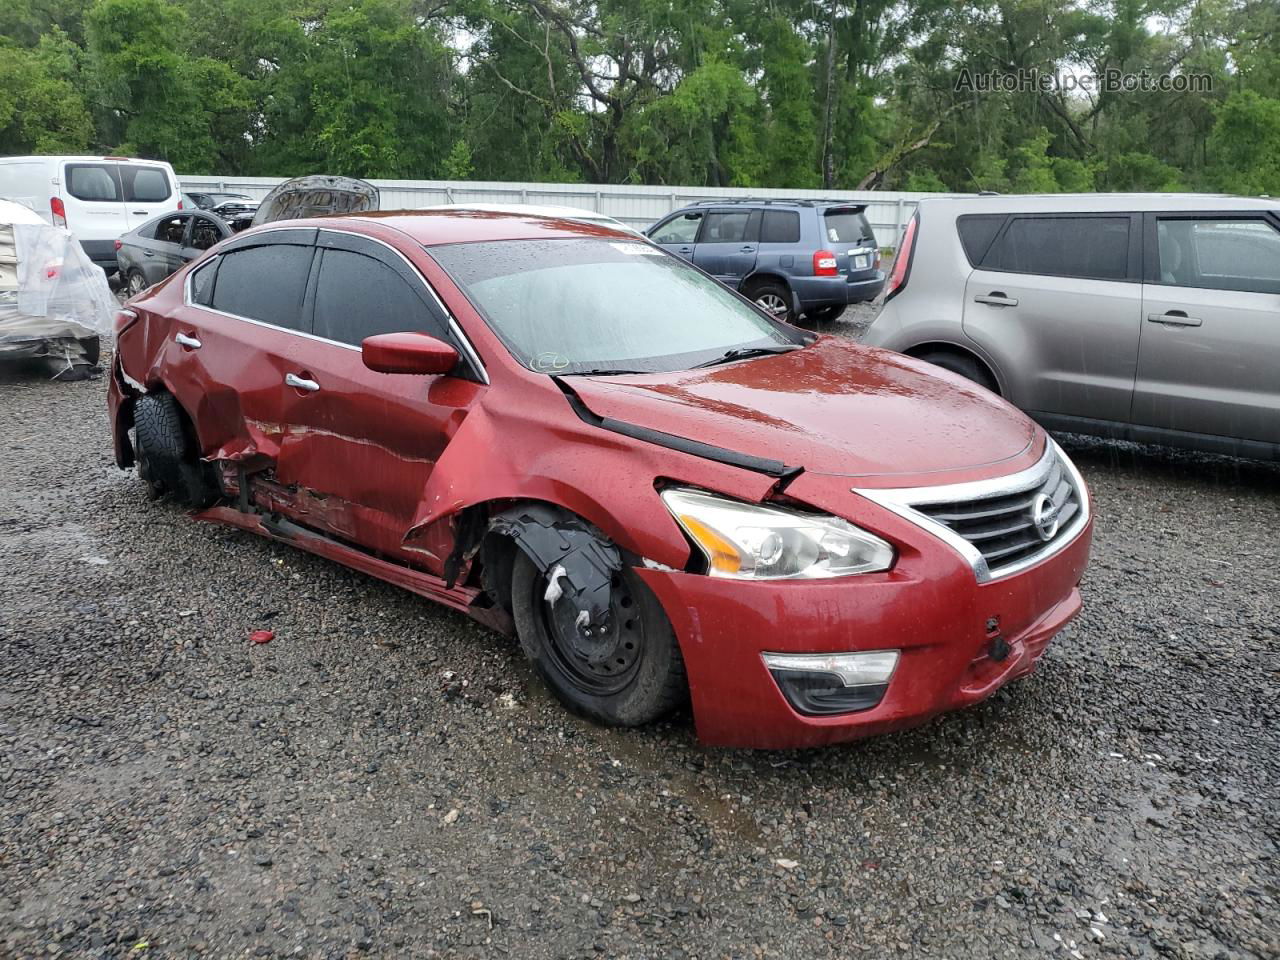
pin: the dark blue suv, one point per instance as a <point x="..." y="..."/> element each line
<point x="792" y="257"/>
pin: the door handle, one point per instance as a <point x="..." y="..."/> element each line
<point x="141" y="213"/>
<point x="1174" y="318"/>
<point x="148" y="253"/>
<point x="996" y="298"/>
<point x="747" y="248"/>
<point x="191" y="343"/>
<point x="293" y="380"/>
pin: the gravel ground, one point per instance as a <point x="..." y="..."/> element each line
<point x="386" y="778"/>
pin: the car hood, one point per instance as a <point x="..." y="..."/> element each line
<point x="316" y="196"/>
<point x="833" y="408"/>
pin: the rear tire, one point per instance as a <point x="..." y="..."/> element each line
<point x="135" y="283"/>
<point x="967" y="367"/>
<point x="167" y="459"/>
<point x="629" y="675"/>
<point x="773" y="298"/>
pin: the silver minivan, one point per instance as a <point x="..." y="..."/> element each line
<point x="1147" y="317"/>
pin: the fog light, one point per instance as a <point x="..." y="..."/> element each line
<point x="825" y="683"/>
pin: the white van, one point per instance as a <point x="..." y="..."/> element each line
<point x="97" y="198"/>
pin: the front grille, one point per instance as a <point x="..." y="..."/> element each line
<point x="1010" y="528"/>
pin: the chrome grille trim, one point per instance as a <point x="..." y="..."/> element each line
<point x="1005" y="503"/>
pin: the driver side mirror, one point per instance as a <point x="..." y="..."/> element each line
<point x="408" y="353"/>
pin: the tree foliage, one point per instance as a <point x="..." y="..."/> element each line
<point x="792" y="93"/>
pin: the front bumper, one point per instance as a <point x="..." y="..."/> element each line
<point x="930" y="606"/>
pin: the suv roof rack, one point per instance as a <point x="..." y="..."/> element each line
<point x="799" y="201"/>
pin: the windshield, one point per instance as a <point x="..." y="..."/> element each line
<point x="587" y="304"/>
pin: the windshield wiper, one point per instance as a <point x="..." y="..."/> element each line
<point x="741" y="353"/>
<point x="602" y="372"/>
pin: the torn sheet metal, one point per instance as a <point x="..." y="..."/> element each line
<point x="51" y="294"/>
<point x="579" y="562"/>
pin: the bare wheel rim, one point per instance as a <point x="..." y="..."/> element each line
<point x="772" y="303"/>
<point x="604" y="663"/>
<point x="137" y="283"/>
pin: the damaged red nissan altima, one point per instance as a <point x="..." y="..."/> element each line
<point x="577" y="438"/>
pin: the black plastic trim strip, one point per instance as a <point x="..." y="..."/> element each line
<point x="696" y="448"/>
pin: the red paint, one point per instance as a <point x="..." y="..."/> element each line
<point x="378" y="467"/>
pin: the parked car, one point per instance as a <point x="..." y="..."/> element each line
<point x="54" y="302"/>
<point x="1147" y="317"/>
<point x="96" y="198"/>
<point x="576" y="437"/>
<point x="792" y="257"/>
<point x="158" y="248"/>
<point x="150" y="253"/>
<point x="577" y="214"/>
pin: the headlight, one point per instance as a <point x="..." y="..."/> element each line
<point x="746" y="541"/>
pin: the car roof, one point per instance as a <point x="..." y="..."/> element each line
<point x="1097" y="203"/>
<point x="454" y="225"/>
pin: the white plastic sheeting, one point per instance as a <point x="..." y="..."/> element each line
<point x="52" y="296"/>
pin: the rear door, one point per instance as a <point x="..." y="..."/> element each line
<point x="361" y="444"/>
<point x="148" y="189"/>
<point x="678" y="234"/>
<point x="93" y="198"/>
<point x="1058" y="297"/>
<point x="728" y="244"/>
<point x="229" y="348"/>
<point x="1209" y="359"/>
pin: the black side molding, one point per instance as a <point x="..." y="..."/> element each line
<point x="696" y="448"/>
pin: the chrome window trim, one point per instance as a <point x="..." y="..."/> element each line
<point x="472" y="356"/>
<point x="904" y="500"/>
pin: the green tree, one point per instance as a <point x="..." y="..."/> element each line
<point x="1245" y="145"/>
<point x="41" y="107"/>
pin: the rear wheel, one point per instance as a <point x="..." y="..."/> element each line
<point x="968" y="367"/>
<point x="773" y="298"/>
<point x="136" y="283"/>
<point x="167" y="459"/>
<point x="625" y="674"/>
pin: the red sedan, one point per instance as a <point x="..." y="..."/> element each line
<point x="666" y="494"/>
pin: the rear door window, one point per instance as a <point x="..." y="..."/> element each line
<point x="93" y="182"/>
<point x="170" y="229"/>
<point x="144" y="184"/>
<point x="780" y="226"/>
<point x="848" y="226"/>
<point x="1093" y="248"/>
<point x="727" y="227"/>
<point x="358" y="296"/>
<point x="264" y="283"/>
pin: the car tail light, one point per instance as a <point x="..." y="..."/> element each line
<point x="118" y="244"/>
<point x="179" y="204"/>
<point x="902" y="260"/>
<point x="824" y="264"/>
<point x="59" y="211"/>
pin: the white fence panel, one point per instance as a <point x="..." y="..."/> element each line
<point x="637" y="206"/>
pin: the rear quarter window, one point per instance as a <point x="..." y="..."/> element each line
<point x="976" y="233"/>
